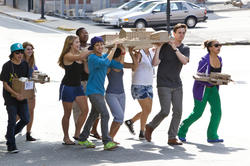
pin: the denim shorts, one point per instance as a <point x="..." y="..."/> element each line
<point x="142" y="91"/>
<point x="69" y="93"/>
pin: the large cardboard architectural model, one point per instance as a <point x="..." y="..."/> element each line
<point x="136" y="37"/>
<point x="213" y="78"/>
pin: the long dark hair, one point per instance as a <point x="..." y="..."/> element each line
<point x="117" y="53"/>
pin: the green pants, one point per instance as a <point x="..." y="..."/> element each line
<point x="213" y="98"/>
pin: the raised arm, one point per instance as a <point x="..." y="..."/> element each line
<point x="134" y="56"/>
<point x="111" y="53"/>
<point x="156" y="60"/>
<point x="182" y="58"/>
<point x="69" y="57"/>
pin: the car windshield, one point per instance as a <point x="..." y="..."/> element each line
<point x="125" y="4"/>
<point x="144" y="5"/>
<point x="131" y="5"/>
<point x="148" y="7"/>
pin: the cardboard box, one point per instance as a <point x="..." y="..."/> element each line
<point x="26" y="89"/>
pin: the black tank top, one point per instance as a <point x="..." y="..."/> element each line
<point x="72" y="75"/>
<point x="217" y="70"/>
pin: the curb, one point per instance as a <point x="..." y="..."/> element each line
<point x="24" y="18"/>
<point x="66" y="29"/>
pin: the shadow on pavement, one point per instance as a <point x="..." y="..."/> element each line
<point x="219" y="148"/>
<point x="54" y="153"/>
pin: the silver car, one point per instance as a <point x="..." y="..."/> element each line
<point x="155" y="15"/>
<point x="98" y="15"/>
<point x="113" y="17"/>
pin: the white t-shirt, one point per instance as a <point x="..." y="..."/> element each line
<point x="145" y="70"/>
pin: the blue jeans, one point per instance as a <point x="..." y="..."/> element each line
<point x="13" y="128"/>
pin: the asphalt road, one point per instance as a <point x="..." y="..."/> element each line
<point x="48" y="150"/>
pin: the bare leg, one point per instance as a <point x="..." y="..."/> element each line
<point x="136" y="117"/>
<point x="67" y="106"/>
<point x="94" y="131"/>
<point x="114" y="128"/>
<point x="83" y="105"/>
<point x="146" y="105"/>
<point x="31" y="104"/>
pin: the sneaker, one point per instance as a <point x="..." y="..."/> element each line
<point x="29" y="137"/>
<point x="141" y="136"/>
<point x="215" y="140"/>
<point x="110" y="145"/>
<point x="12" y="149"/>
<point x="182" y="139"/>
<point x="87" y="144"/>
<point x="130" y="126"/>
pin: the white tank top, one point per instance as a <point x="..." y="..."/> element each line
<point x="145" y="71"/>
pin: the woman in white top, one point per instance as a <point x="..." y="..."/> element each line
<point x="141" y="89"/>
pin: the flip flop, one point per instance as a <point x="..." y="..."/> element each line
<point x="68" y="143"/>
<point x="76" y="138"/>
<point x="96" y="135"/>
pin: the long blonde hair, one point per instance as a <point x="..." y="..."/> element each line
<point x="31" y="61"/>
<point x="66" y="48"/>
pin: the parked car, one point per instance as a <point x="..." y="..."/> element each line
<point x="113" y="17"/>
<point x="155" y="15"/>
<point x="98" y="15"/>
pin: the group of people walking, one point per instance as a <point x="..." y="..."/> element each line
<point x="86" y="67"/>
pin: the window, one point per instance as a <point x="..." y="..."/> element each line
<point x="193" y="6"/>
<point x="131" y="5"/>
<point x="174" y="7"/>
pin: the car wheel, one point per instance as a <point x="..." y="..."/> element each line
<point x="140" y="24"/>
<point x="191" y="22"/>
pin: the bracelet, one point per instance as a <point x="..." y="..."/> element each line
<point x="176" y="50"/>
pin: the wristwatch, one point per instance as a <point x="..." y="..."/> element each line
<point x="176" y="50"/>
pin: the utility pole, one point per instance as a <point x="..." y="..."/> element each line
<point x="42" y="9"/>
<point x="14" y="3"/>
<point x="29" y="5"/>
<point x="168" y="17"/>
<point x="76" y="8"/>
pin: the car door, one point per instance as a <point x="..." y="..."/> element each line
<point x="158" y="15"/>
<point x="179" y="12"/>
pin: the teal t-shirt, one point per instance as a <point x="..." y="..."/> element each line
<point x="98" y="67"/>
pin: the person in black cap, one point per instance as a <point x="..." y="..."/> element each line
<point x="15" y="102"/>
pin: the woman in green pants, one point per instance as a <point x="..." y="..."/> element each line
<point x="204" y="92"/>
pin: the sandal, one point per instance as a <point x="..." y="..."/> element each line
<point x="96" y="135"/>
<point x="68" y="142"/>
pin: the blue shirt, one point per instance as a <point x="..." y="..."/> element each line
<point x="98" y="67"/>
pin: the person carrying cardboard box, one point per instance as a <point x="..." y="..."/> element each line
<point x="15" y="102"/>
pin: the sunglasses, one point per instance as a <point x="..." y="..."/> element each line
<point x="19" y="52"/>
<point x="217" y="45"/>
